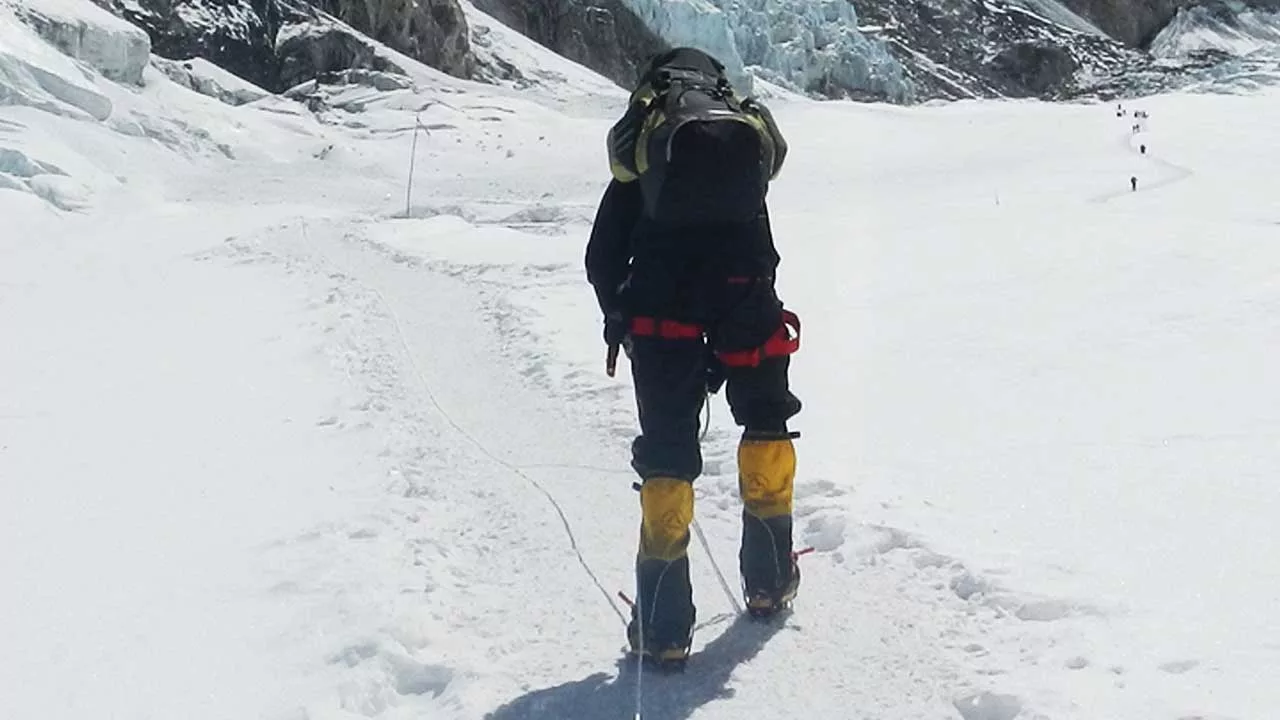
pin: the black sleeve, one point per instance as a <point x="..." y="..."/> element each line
<point x="768" y="248"/>
<point x="609" y="249"/>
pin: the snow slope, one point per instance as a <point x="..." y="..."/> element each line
<point x="268" y="449"/>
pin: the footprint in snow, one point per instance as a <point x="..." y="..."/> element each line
<point x="417" y="678"/>
<point x="966" y="585"/>
<point x="1178" y="667"/>
<point x="1044" y="610"/>
<point x="988" y="706"/>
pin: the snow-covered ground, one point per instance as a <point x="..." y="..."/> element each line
<point x="270" y="450"/>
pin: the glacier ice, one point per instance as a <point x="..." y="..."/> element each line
<point x="33" y="73"/>
<point x="807" y="45"/>
<point x="91" y="35"/>
<point x="694" y="23"/>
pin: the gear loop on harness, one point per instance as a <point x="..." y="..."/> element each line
<point x="786" y="341"/>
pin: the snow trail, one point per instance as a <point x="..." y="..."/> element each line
<point x="268" y="451"/>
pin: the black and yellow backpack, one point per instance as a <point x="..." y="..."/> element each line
<point x="701" y="154"/>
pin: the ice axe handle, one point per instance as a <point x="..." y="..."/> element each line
<point x="611" y="360"/>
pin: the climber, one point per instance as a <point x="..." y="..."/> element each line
<point x="682" y="260"/>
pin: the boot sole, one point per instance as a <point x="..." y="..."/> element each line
<point x="673" y="665"/>
<point x="768" y="607"/>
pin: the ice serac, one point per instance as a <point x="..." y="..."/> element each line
<point x="694" y="23"/>
<point x="91" y="35"/>
<point x="815" y="46"/>
<point x="809" y="45"/>
<point x="33" y="73"/>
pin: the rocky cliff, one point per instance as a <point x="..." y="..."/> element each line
<point x="433" y="32"/>
<point x="278" y="43"/>
<point x="603" y="35"/>
<point x="1137" y="22"/>
<point x="1132" y="22"/>
<point x="988" y="48"/>
<point x="894" y="50"/>
<point x="238" y="35"/>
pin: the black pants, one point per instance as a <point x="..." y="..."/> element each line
<point x="737" y="313"/>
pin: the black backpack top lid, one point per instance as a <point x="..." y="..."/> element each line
<point x="684" y="117"/>
<point x="681" y="61"/>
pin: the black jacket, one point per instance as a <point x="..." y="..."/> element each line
<point x="640" y="267"/>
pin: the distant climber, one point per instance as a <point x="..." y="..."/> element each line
<point x="1142" y="149"/>
<point x="1133" y="183"/>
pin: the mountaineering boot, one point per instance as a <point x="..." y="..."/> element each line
<point x="766" y="477"/>
<point x="662" y="618"/>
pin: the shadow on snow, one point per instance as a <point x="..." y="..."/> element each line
<point x="672" y="697"/>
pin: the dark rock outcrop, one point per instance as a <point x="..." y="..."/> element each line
<point x="1132" y="22"/>
<point x="188" y="75"/>
<point x="1039" y="67"/>
<point x="310" y="51"/>
<point x="237" y="35"/>
<point x="946" y="48"/>
<point x="987" y="48"/>
<point x="1136" y="22"/>
<point x="433" y="32"/>
<point x="600" y="34"/>
<point x="277" y="43"/>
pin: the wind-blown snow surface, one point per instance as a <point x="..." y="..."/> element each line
<point x="267" y="450"/>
